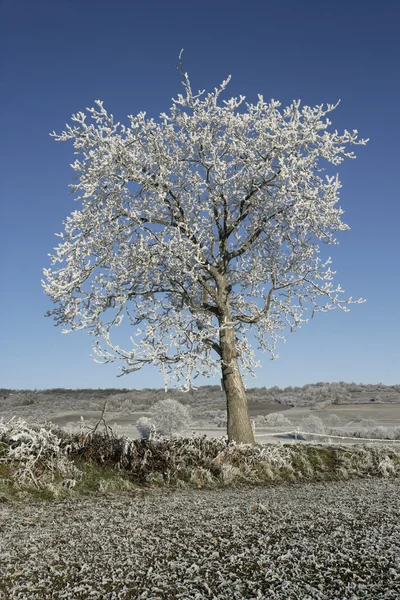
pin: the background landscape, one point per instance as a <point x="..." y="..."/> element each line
<point x="101" y="516"/>
<point x="59" y="57"/>
<point x="370" y="410"/>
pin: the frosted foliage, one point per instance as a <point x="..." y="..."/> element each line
<point x="37" y="452"/>
<point x="145" y="427"/>
<point x="277" y="420"/>
<point x="333" y="421"/>
<point x="169" y="416"/>
<point x="217" y="208"/>
<point x="312" y="424"/>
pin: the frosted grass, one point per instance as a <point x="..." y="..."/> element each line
<point x="325" y="541"/>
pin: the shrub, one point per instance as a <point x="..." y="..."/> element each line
<point x="380" y="433"/>
<point x="277" y="420"/>
<point x="362" y="433"/>
<point x="218" y="417"/>
<point x="312" y="424"/>
<point x="60" y="463"/>
<point x="169" y="416"/>
<point x="333" y="421"/>
<point x="369" y="423"/>
<point x="146" y="428"/>
<point x="396" y="433"/>
<point x="364" y="423"/>
<point x="37" y="452"/>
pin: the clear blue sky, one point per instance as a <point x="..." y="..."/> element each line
<point x="57" y="57"/>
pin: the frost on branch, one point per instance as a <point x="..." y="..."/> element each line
<point x="146" y="428"/>
<point x="38" y="452"/>
<point x="211" y="216"/>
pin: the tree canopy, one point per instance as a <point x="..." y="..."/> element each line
<point x="210" y="217"/>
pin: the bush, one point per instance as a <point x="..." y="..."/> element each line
<point x="62" y="464"/>
<point x="277" y="420"/>
<point x="333" y="421"/>
<point x="362" y="433"/>
<point x="381" y="433"/>
<point x="218" y="417"/>
<point x="169" y="416"/>
<point x="362" y="423"/>
<point x="37" y="452"/>
<point x="146" y="428"/>
<point x="312" y="424"/>
<point x="369" y="423"/>
<point x="396" y="433"/>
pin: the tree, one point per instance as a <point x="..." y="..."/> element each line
<point x="333" y="421"/>
<point x="169" y="415"/>
<point x="312" y="424"/>
<point x="198" y="229"/>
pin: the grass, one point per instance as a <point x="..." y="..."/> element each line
<point x="48" y="463"/>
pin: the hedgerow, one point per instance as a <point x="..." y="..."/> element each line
<point x="46" y="458"/>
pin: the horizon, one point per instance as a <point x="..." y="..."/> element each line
<point x="170" y="389"/>
<point x="60" y="57"/>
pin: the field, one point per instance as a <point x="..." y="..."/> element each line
<point x="320" y="541"/>
<point x="374" y="407"/>
<point x="183" y="519"/>
<point x="384" y="415"/>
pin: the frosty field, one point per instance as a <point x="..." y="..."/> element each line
<point x="325" y="541"/>
<point x="183" y="518"/>
<point x="386" y="415"/>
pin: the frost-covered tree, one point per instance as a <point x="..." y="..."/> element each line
<point x="198" y="229"/>
<point x="169" y="415"/>
<point x="333" y="421"/>
<point x="312" y="424"/>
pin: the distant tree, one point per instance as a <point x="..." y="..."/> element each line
<point x="333" y="421"/>
<point x="312" y="424"/>
<point x="169" y="416"/>
<point x="197" y="229"/>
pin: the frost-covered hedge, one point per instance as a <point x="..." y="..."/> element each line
<point x="49" y="458"/>
<point x="35" y="455"/>
<point x="273" y="420"/>
<point x="377" y="433"/>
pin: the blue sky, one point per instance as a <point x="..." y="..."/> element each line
<point x="58" y="57"/>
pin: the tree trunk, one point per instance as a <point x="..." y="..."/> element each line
<point x="239" y="426"/>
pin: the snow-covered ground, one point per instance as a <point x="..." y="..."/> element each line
<point x="326" y="541"/>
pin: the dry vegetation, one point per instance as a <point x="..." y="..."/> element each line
<point x="49" y="461"/>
